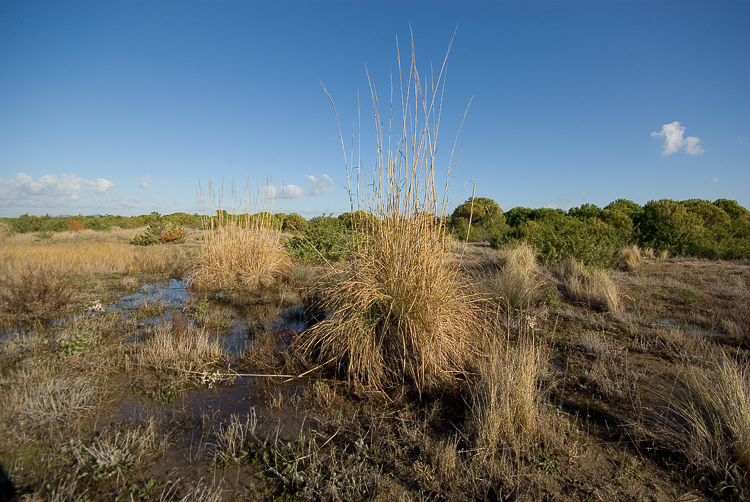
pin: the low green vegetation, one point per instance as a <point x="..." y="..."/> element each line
<point x="691" y="228"/>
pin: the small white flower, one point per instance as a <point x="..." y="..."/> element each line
<point x="96" y="306"/>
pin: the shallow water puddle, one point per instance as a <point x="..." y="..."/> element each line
<point x="173" y="294"/>
<point x="689" y="329"/>
<point x="158" y="303"/>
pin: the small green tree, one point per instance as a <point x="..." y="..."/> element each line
<point x="479" y="219"/>
<point x="585" y="211"/>
<point x="294" y="223"/>
<point x="668" y="225"/>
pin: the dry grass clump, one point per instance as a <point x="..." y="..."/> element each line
<point x="509" y="412"/>
<point x="518" y="285"/>
<point x="36" y="293"/>
<point x="705" y="416"/>
<point x="628" y="258"/>
<point x="590" y="286"/>
<point x="179" y="348"/>
<point x="399" y="312"/>
<point x="240" y="252"/>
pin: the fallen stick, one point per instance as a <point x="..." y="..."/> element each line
<point x="308" y="371"/>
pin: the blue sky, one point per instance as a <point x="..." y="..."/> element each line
<point x="128" y="107"/>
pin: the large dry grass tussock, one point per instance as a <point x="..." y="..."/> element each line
<point x="241" y="256"/>
<point x="589" y="286"/>
<point x="240" y="251"/>
<point x="399" y="312"/>
<point x="705" y="415"/>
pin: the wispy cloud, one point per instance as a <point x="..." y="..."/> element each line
<point x="674" y="140"/>
<point x="23" y="189"/>
<point x="285" y="192"/>
<point x="318" y="187"/>
<point x="144" y="182"/>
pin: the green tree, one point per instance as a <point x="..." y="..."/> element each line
<point x="293" y="222"/>
<point x="585" y="211"/>
<point x="668" y="225"/>
<point x="480" y="218"/>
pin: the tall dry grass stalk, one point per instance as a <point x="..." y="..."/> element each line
<point x="509" y="413"/>
<point x="399" y="311"/>
<point x="518" y="285"/>
<point x="706" y="416"/>
<point x="241" y="251"/>
<point x="590" y="286"/>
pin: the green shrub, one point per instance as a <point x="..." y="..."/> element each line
<point x="585" y="212"/>
<point x="160" y="230"/>
<point x="668" y="225"/>
<point x="478" y="219"/>
<point x="558" y="237"/>
<point x="294" y="223"/>
<point x="324" y="239"/>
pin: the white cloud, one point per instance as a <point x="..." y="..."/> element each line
<point x="285" y="192"/>
<point x="99" y="185"/>
<point x="674" y="141"/>
<point x="49" y="188"/>
<point x="318" y="187"/>
<point x="144" y="182"/>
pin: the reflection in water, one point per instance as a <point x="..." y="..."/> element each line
<point x="157" y="303"/>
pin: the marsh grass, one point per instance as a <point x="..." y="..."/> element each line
<point x="46" y="402"/>
<point x="240" y="252"/>
<point x="93" y="257"/>
<point x="705" y="416"/>
<point x="178" y="349"/>
<point x="510" y="415"/>
<point x="628" y="258"/>
<point x="232" y="441"/>
<point x="589" y="286"/>
<point x="519" y="284"/>
<point x="116" y="450"/>
<point x="399" y="310"/>
<point x="36" y="293"/>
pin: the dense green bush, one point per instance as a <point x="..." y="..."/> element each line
<point x="357" y="218"/>
<point x="668" y="225"/>
<point x="160" y="229"/>
<point x="558" y="237"/>
<point x="585" y="212"/>
<point x="293" y="223"/>
<point x="478" y="219"/>
<point x="324" y="239"/>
